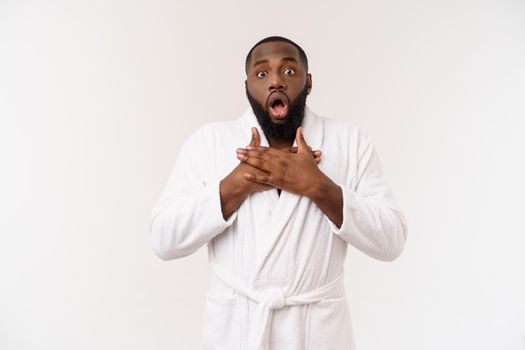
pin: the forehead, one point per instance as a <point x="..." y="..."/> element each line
<point x="274" y="50"/>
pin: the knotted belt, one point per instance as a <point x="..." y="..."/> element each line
<point x="271" y="299"/>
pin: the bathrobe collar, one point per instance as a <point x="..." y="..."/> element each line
<point x="312" y="128"/>
<point x="285" y="204"/>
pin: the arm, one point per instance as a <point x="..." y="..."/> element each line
<point x="188" y="213"/>
<point x="328" y="196"/>
<point x="372" y="222"/>
<point x="366" y="217"/>
<point x="234" y="188"/>
<point x="193" y="209"/>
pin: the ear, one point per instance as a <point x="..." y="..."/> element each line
<point x="309" y="82"/>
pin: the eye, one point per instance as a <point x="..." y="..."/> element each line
<point x="261" y="74"/>
<point x="289" y="71"/>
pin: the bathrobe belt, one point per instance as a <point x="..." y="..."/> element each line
<point x="271" y="299"/>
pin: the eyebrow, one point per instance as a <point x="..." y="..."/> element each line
<point x="288" y="58"/>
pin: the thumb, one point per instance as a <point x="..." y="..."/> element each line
<point x="256" y="140"/>
<point x="302" y="147"/>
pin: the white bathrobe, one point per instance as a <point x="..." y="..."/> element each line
<point x="276" y="278"/>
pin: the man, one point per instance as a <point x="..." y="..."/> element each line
<point x="278" y="214"/>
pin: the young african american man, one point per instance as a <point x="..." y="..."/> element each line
<point x="277" y="195"/>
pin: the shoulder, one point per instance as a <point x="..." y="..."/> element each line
<point x="345" y="129"/>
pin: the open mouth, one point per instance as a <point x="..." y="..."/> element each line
<point x="278" y="105"/>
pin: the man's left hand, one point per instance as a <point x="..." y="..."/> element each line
<point x="293" y="172"/>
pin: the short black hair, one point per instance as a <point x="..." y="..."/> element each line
<point x="302" y="54"/>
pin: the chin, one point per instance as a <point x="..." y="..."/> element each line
<point x="279" y="121"/>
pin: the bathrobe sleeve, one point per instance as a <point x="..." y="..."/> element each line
<point x="372" y="221"/>
<point x="188" y="213"/>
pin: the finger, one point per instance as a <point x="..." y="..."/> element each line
<point x="259" y="151"/>
<point x="257" y="137"/>
<point x="252" y="139"/>
<point x="256" y="152"/>
<point x="289" y="149"/>
<point x="261" y="148"/>
<point x="262" y="179"/>
<point x="292" y="149"/>
<point x="302" y="147"/>
<point x="255" y="162"/>
<point x="256" y="140"/>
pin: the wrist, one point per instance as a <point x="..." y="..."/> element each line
<point x="321" y="189"/>
<point x="235" y="188"/>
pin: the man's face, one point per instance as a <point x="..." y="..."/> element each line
<point x="276" y="86"/>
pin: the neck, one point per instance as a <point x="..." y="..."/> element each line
<point x="279" y="143"/>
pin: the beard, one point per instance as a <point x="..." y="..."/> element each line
<point x="287" y="129"/>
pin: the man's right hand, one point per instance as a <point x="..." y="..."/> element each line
<point x="234" y="188"/>
<point x="237" y="174"/>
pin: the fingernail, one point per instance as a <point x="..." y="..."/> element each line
<point x="249" y="147"/>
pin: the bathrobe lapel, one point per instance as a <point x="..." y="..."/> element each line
<point x="284" y="205"/>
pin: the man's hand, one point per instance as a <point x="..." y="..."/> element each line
<point x="237" y="180"/>
<point x="235" y="187"/>
<point x="236" y="177"/>
<point x="316" y="154"/>
<point x="295" y="172"/>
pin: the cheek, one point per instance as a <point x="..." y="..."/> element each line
<point x="301" y="83"/>
<point x="257" y="91"/>
<point x="298" y="87"/>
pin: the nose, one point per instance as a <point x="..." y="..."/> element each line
<point x="277" y="83"/>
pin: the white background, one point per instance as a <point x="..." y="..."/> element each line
<point x="96" y="98"/>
